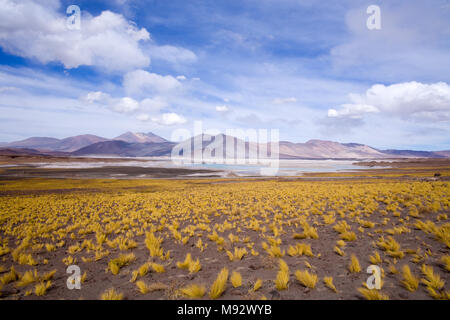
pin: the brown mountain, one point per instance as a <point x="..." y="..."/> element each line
<point x="126" y="149"/>
<point x="52" y="144"/>
<point x="140" y="137"/>
<point x="148" y="144"/>
<point x="322" y="149"/>
<point x="35" y="143"/>
<point x="74" y="143"/>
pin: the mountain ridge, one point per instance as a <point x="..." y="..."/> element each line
<point x="130" y="144"/>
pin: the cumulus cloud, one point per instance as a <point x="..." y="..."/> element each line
<point x="143" y="110"/>
<point x="97" y="96"/>
<point x="222" y="108"/>
<point x="126" y="105"/>
<point x="154" y="104"/>
<point x="33" y="29"/>
<point x="169" y="119"/>
<point x="352" y="111"/>
<point x="172" y="54"/>
<point x="409" y="100"/>
<point x="284" y="100"/>
<point x="140" y="81"/>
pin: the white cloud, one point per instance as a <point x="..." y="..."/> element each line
<point x="168" y="119"/>
<point x="143" y="117"/>
<point x="151" y="106"/>
<point x="352" y="110"/>
<point x="8" y="89"/>
<point x="126" y="105"/>
<point x="181" y="77"/>
<point x="140" y="81"/>
<point x="222" y="108"/>
<point x="97" y="96"/>
<point x="172" y="54"/>
<point x="284" y="100"/>
<point x="33" y="29"/>
<point x="409" y="100"/>
<point x="154" y="104"/>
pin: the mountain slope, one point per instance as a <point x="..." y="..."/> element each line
<point x="320" y="149"/>
<point x="74" y="143"/>
<point x="35" y="143"/>
<point x="52" y="144"/>
<point x="126" y="149"/>
<point x="140" y="137"/>
<point x="148" y="144"/>
<point x="415" y="154"/>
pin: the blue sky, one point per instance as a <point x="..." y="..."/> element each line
<point x="311" y="69"/>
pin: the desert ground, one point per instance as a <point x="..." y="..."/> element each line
<point x="172" y="237"/>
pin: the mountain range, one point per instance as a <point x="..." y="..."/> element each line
<point x="149" y="144"/>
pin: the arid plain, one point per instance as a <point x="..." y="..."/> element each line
<point x="308" y="237"/>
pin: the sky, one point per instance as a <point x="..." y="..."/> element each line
<point x="310" y="69"/>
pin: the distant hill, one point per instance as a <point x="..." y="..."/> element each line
<point x="52" y="144"/>
<point x="35" y="143"/>
<point x="320" y="149"/>
<point x="126" y="149"/>
<point x="415" y="154"/>
<point x="149" y="144"/>
<point x="140" y="137"/>
<point x="74" y="143"/>
<point x="18" y="152"/>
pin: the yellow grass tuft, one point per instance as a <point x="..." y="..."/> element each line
<point x="339" y="251"/>
<point x="123" y="260"/>
<point x="354" y="265"/>
<point x="238" y="254"/>
<point x="391" y="247"/>
<point x="329" y="283"/>
<point x="9" y="277"/>
<point x="376" y="258"/>
<point x="444" y="295"/>
<point x="373" y="294"/>
<point x="348" y="236"/>
<point x="189" y="264"/>
<point x="28" y="278"/>
<point x="340" y="243"/>
<point x="153" y="244"/>
<point x="111" y="294"/>
<point x="159" y="268"/>
<point x="275" y="251"/>
<point x="219" y="285"/>
<point x="236" y="279"/>
<point x="257" y="285"/>
<point x="142" y="286"/>
<point x="186" y="263"/>
<point x="195" y="266"/>
<point x="409" y="280"/>
<point x="41" y="288"/>
<point x="282" y="279"/>
<point x="300" y="249"/>
<point x="446" y="262"/>
<point x="431" y="280"/>
<point x="283" y="265"/>
<point x="193" y="291"/>
<point x="308" y="232"/>
<point x="307" y="279"/>
<point x="143" y="269"/>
